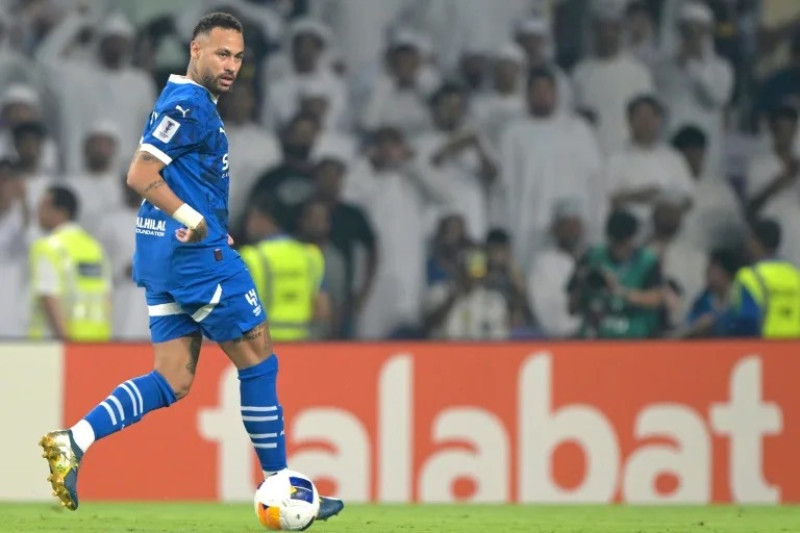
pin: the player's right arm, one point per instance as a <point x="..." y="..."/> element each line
<point x="144" y="177"/>
<point x="172" y="132"/>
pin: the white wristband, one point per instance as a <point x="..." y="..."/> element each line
<point x="187" y="216"/>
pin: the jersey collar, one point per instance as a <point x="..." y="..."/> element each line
<point x="183" y="80"/>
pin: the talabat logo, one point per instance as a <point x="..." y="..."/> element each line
<point x="644" y="423"/>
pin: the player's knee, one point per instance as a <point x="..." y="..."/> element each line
<point x="180" y="382"/>
<point x="182" y="389"/>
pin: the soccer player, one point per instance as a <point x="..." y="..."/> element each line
<point x="195" y="283"/>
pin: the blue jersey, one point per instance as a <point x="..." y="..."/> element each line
<point x="186" y="133"/>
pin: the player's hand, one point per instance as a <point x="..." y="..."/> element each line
<point x="186" y="235"/>
<point x="230" y="240"/>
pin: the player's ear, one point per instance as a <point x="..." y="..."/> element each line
<point x="194" y="49"/>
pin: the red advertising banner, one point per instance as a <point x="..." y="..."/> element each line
<point x="563" y="422"/>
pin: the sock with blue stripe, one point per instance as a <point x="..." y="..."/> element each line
<point x="262" y="414"/>
<point x="126" y="405"/>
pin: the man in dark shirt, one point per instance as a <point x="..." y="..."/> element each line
<point x="291" y="183"/>
<point x="349" y="230"/>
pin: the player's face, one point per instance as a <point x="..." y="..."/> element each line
<point x="218" y="58"/>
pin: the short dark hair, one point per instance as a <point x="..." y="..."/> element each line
<point x="645" y="99"/>
<point x="537" y="73"/>
<point x="782" y="112"/>
<point x="64" y="198"/>
<point x="621" y="226"/>
<point x="689" y="137"/>
<point x="728" y="260"/>
<point x="497" y="236"/>
<point x="29" y="128"/>
<point x="216" y="20"/>
<point x="767" y="232"/>
<point x="447" y="88"/>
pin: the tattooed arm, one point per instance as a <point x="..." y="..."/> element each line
<point x="144" y="177"/>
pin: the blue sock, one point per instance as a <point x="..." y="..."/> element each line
<point x="126" y="405"/>
<point x="262" y="414"/>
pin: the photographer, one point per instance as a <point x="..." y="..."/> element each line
<point x="617" y="287"/>
<point x="467" y="307"/>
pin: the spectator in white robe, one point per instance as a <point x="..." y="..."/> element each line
<point x="252" y="148"/>
<point x="116" y="232"/>
<point x="100" y="86"/>
<point x="398" y="97"/>
<point x="19" y="104"/>
<point x="504" y="102"/>
<point x="695" y="83"/>
<point x="14" y="220"/>
<point x="14" y="66"/>
<point x="773" y="182"/>
<point x="386" y="185"/>
<point x="495" y="109"/>
<point x="314" y="100"/>
<point x="552" y="270"/>
<point x="29" y="141"/>
<point x="97" y="185"/>
<point x="647" y="168"/>
<point x="682" y="265"/>
<point x="715" y="219"/>
<point x="640" y="33"/>
<point x="459" y="26"/>
<point x="546" y="157"/>
<point x="605" y="82"/>
<point x="309" y="41"/>
<point x="456" y="157"/>
<point x="534" y="34"/>
<point x="359" y="26"/>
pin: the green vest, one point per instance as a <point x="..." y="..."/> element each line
<point x="287" y="274"/>
<point x="83" y="284"/>
<point x="775" y="286"/>
<point x="619" y="319"/>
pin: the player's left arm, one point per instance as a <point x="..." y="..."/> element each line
<point x="144" y="177"/>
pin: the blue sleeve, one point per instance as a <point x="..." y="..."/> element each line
<point x="742" y="320"/>
<point x="174" y="131"/>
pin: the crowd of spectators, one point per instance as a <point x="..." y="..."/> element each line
<point x="470" y="169"/>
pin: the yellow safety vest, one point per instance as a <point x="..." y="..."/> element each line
<point x="287" y="274"/>
<point x="775" y="286"/>
<point x="84" y="284"/>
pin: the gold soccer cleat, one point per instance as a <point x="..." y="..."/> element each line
<point x="63" y="457"/>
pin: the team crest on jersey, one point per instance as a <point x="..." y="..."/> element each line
<point x="166" y="129"/>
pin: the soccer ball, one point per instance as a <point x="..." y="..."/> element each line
<point x="287" y="501"/>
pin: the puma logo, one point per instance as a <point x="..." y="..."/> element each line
<point x="183" y="111"/>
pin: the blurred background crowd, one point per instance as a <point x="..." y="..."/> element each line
<point x="469" y="169"/>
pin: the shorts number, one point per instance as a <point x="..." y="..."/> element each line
<point x="252" y="298"/>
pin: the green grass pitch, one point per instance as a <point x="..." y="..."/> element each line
<point x="208" y="517"/>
